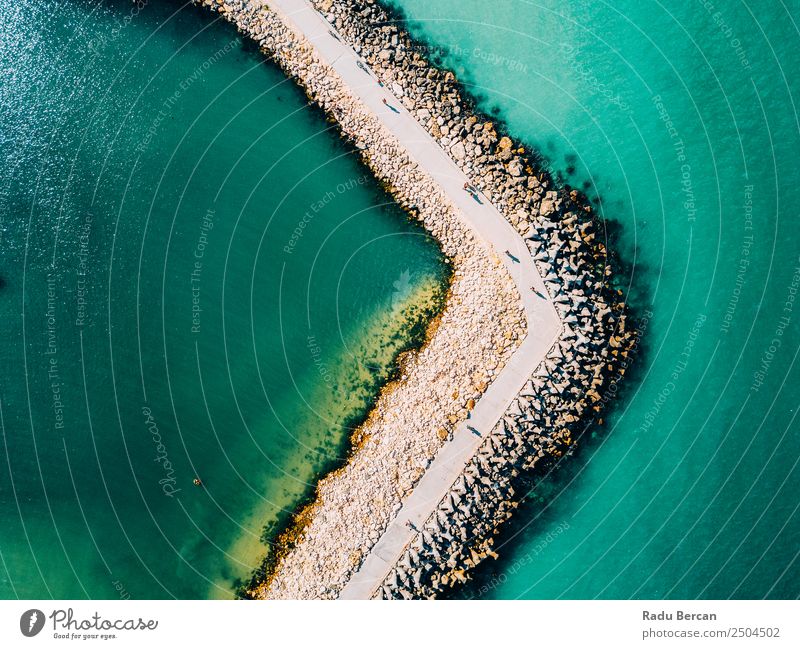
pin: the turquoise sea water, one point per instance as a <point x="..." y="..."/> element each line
<point x="683" y="118"/>
<point x="198" y="279"/>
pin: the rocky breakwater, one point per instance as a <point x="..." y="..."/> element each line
<point x="480" y="327"/>
<point x="566" y="393"/>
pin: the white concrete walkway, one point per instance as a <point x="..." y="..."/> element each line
<point x="491" y="227"/>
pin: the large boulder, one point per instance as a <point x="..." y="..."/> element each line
<point x="458" y="151"/>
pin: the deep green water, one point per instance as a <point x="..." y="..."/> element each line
<point x="683" y="118"/>
<point x="152" y="165"/>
